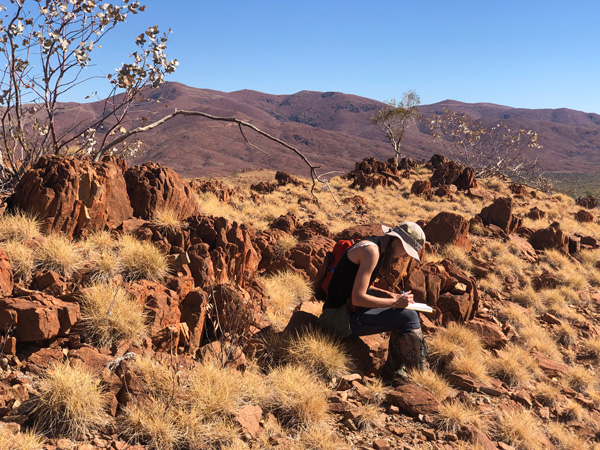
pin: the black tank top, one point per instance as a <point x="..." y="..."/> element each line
<point x="342" y="282"/>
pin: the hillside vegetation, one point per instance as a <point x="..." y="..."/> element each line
<point x="190" y="322"/>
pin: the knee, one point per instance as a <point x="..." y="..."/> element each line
<point x="412" y="320"/>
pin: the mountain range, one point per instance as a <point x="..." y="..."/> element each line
<point x="331" y="129"/>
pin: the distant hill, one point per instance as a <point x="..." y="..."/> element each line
<point x="331" y="128"/>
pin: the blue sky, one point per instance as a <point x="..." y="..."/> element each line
<point x="528" y="53"/>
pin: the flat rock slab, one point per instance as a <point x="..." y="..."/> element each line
<point x="414" y="400"/>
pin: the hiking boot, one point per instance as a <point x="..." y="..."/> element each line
<point x="405" y="352"/>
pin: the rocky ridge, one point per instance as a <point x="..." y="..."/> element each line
<point x="215" y="268"/>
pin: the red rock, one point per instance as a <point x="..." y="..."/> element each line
<point x="161" y="304"/>
<point x="525" y="249"/>
<point x="478" y="437"/>
<point x="6" y="275"/>
<point x="447" y="228"/>
<point x="551" y="237"/>
<point x="446" y="190"/>
<point x="70" y="195"/>
<point x="287" y="222"/>
<point x="312" y="228"/>
<point x="483" y="194"/>
<point x="248" y="417"/>
<point x="500" y="214"/>
<point x="422" y="187"/>
<point x="451" y="172"/>
<point x="414" y="400"/>
<point x="38" y="317"/>
<point x="584" y="216"/>
<point x="43" y="359"/>
<point x="221" y="252"/>
<point x="284" y="178"/>
<point x="152" y="187"/>
<point x="307" y="258"/>
<point x="536" y="214"/>
<point x="357" y="201"/>
<point x="588" y="202"/>
<point x="550" y="367"/>
<point x="491" y="335"/>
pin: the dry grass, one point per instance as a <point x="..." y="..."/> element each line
<point x="71" y="402"/>
<point x="369" y="416"/>
<point x="296" y="397"/>
<point x="109" y="314"/>
<point x="59" y="254"/>
<point x="547" y="394"/>
<point x="152" y="423"/>
<point x="317" y="437"/>
<point x="459" y="350"/>
<point x="454" y="415"/>
<point x="592" y="347"/>
<point x="566" y="439"/>
<point x="580" y="379"/>
<point x="141" y="260"/>
<point x="459" y="256"/>
<point x="319" y="353"/>
<point x="514" y="365"/>
<point x="216" y="391"/>
<point x="284" y="244"/>
<point x="166" y="219"/>
<point x="491" y="284"/>
<point x="572" y="410"/>
<point x="529" y="298"/>
<point x="160" y="378"/>
<point x="377" y="390"/>
<point x="28" y="440"/>
<point x="21" y="259"/>
<point x="19" y="227"/>
<point x="432" y="382"/>
<point x="286" y="290"/>
<point x="521" y="429"/>
<point x="566" y="335"/>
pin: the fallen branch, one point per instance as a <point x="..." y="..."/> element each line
<point x="313" y="169"/>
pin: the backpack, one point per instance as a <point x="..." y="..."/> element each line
<point x="338" y="251"/>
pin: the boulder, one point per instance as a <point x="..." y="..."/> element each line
<point x="161" y="306"/>
<point x="193" y="312"/>
<point x="422" y="187"/>
<point x="6" y="275"/>
<point x="499" y="213"/>
<point x="312" y="228"/>
<point x="491" y="334"/>
<point x="70" y="195"/>
<point x="152" y="187"/>
<point x="221" y="252"/>
<point x="222" y="192"/>
<point x="284" y="178"/>
<point x="287" y="223"/>
<point x="38" y="317"/>
<point x="451" y="172"/>
<point x="267" y="244"/>
<point x="358" y="202"/>
<point x="414" y="400"/>
<point x="306" y="258"/>
<point x="446" y="190"/>
<point x="551" y="237"/>
<point x="536" y="214"/>
<point x="584" y="216"/>
<point x="437" y="284"/>
<point x="588" y="202"/>
<point x="448" y="228"/>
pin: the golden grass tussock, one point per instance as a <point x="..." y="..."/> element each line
<point x="566" y="439"/>
<point x="580" y="379"/>
<point x="591" y="347"/>
<point x="284" y="244"/>
<point x="529" y="298"/>
<point x="454" y="415"/>
<point x="161" y="379"/>
<point x="21" y="258"/>
<point x="369" y="416"/>
<point x="432" y="382"/>
<point x="71" y="402"/>
<point x="320" y="353"/>
<point x="458" y="255"/>
<point x="110" y="314"/>
<point x="566" y="335"/>
<point x="514" y="365"/>
<point x="547" y="394"/>
<point x="378" y="390"/>
<point x="215" y="390"/>
<point x="59" y="254"/>
<point x="320" y="436"/>
<point x="473" y="365"/>
<point x="166" y="219"/>
<point x="571" y="410"/>
<point x="453" y="341"/>
<point x="521" y="429"/>
<point x="152" y="423"/>
<point x="297" y="398"/>
<point x="491" y="284"/>
<point x="141" y="260"/>
<point x="286" y="290"/>
<point x="19" y="227"/>
<point x="28" y="440"/>
<point x="567" y="270"/>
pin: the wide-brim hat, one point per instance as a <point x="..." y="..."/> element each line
<point x="410" y="234"/>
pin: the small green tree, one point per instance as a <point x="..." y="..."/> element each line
<point x="491" y="151"/>
<point x="395" y="118"/>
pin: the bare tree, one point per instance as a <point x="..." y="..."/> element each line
<point x="47" y="46"/>
<point x="491" y="151"/>
<point x="395" y="117"/>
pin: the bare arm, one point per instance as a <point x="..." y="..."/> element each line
<point x="367" y="297"/>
